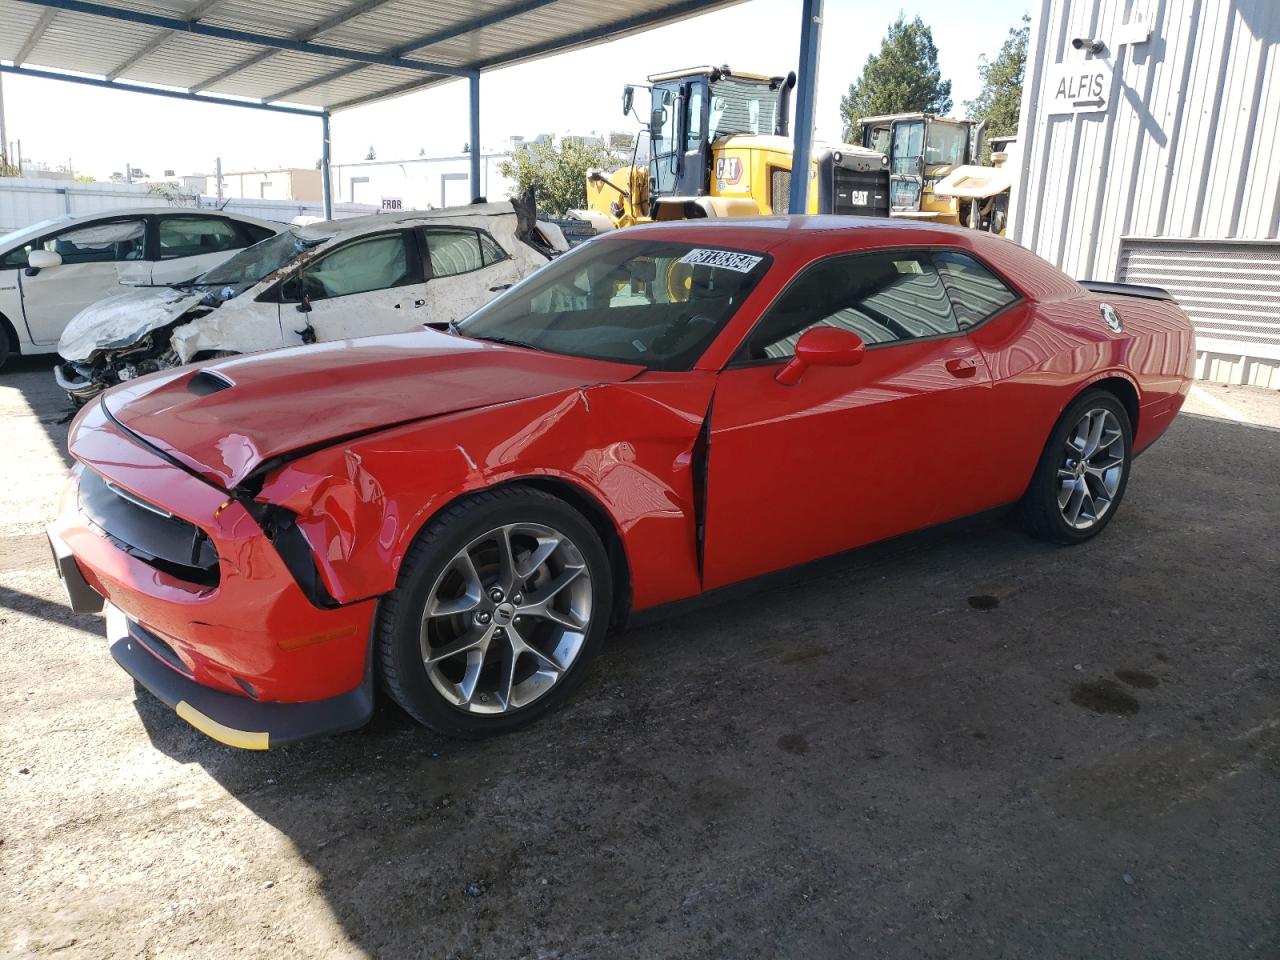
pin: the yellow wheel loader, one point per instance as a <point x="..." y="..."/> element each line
<point x="932" y="175"/>
<point x="717" y="145"/>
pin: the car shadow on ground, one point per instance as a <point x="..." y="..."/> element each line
<point x="965" y="743"/>
<point x="33" y="377"/>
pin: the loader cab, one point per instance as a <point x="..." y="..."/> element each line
<point x="690" y="110"/>
<point x="922" y="148"/>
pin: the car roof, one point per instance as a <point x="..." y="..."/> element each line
<point x="766" y="233"/>
<point x="22" y="235"/>
<point x="800" y="239"/>
<point x="352" y="226"/>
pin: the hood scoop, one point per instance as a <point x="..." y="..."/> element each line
<point x="205" y="382"/>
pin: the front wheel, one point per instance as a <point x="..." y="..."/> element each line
<point x="1083" y="471"/>
<point x="500" y="604"/>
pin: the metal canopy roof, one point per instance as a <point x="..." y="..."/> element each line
<point x="324" y="54"/>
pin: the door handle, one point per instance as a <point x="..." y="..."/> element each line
<point x="961" y="367"/>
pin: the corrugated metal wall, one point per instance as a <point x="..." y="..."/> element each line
<point x="1189" y="146"/>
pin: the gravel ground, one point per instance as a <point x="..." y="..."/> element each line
<point x="966" y="744"/>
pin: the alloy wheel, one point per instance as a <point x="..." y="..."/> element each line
<point x="506" y="618"/>
<point x="1092" y="468"/>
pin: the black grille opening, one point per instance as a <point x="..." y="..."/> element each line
<point x="148" y="532"/>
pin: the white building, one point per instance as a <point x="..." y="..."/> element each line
<point x="423" y="183"/>
<point x="1149" y="142"/>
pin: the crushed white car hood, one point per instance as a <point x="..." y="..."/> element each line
<point x="121" y="319"/>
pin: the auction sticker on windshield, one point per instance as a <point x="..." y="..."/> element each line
<point x="738" y="262"/>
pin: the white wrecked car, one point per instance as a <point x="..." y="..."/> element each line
<point x="324" y="281"/>
<point x="52" y="270"/>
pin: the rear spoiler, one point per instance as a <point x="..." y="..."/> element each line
<point x="1126" y="290"/>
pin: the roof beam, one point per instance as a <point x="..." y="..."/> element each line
<point x="626" y="24"/>
<point x="357" y="9"/>
<point x="242" y="36"/>
<point x="419" y="43"/>
<point x="156" y="91"/>
<point x="160" y="39"/>
<point x="37" y="32"/>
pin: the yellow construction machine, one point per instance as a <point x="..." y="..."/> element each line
<point x="717" y="144"/>
<point x="932" y="175"/>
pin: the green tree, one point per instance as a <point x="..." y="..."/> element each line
<point x="556" y="172"/>
<point x="902" y="78"/>
<point x="1000" y="99"/>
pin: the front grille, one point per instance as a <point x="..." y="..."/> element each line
<point x="780" y="190"/>
<point x="148" y="532"/>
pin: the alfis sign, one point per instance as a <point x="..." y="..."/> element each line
<point x="1078" y="86"/>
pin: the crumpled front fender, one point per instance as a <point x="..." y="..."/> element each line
<point x="630" y="447"/>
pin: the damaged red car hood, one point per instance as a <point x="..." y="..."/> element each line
<point x="223" y="420"/>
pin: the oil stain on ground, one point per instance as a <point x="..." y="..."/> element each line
<point x="984" y="601"/>
<point x="794" y="743"/>
<point x="1103" y="696"/>
<point x="1137" y="678"/>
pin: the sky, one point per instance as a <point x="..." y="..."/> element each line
<point x="99" y="131"/>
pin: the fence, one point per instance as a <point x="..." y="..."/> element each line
<point x="24" y="201"/>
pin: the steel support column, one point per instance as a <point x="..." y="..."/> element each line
<point x="473" y="145"/>
<point x="806" y="87"/>
<point x="326" y="179"/>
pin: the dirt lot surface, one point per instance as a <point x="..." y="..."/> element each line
<point x="968" y="744"/>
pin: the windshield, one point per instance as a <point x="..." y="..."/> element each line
<point x="658" y="303"/>
<point x="12" y="236"/>
<point x="251" y="264"/>
<point x="741" y="106"/>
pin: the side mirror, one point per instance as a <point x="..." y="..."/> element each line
<point x="657" y="118"/>
<point x="38" y="260"/>
<point x="628" y="98"/>
<point x="822" y="347"/>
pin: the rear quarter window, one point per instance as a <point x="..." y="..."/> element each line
<point x="976" y="293"/>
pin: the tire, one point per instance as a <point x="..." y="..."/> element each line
<point x="1055" y="496"/>
<point x="8" y="343"/>
<point x="469" y="689"/>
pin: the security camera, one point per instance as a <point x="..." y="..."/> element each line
<point x="1087" y="43"/>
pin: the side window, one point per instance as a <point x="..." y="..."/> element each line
<point x="453" y="250"/>
<point x="976" y="293"/>
<point x="490" y="249"/>
<point x="16" y="258"/>
<point x="108" y="242"/>
<point x="195" y="236"/>
<point x="377" y="263"/>
<point x="882" y="297"/>
<point x="257" y="234"/>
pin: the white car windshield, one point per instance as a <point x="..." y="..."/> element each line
<point x="658" y="303"/>
<point x="10" y="238"/>
<point x="236" y="275"/>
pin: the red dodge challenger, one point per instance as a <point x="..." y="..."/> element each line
<point x="459" y="515"/>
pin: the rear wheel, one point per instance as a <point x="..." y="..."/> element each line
<point x="1082" y="474"/>
<point x="8" y="342"/>
<point x="500" y="605"/>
